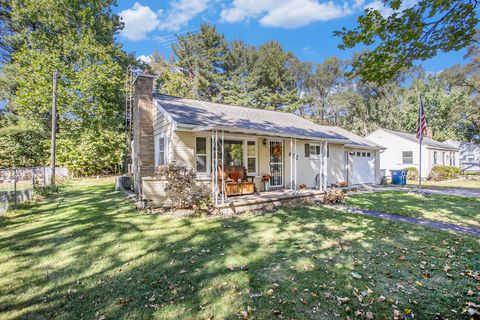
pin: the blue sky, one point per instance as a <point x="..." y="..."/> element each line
<point x="302" y="26"/>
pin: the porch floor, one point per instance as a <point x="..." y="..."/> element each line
<point x="235" y="204"/>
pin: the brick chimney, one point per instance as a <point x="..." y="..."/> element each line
<point x="430" y="133"/>
<point x="143" y="157"/>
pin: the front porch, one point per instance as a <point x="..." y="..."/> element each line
<point x="237" y="164"/>
<point x="267" y="200"/>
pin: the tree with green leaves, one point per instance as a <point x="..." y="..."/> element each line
<point x="19" y="143"/>
<point x="326" y="79"/>
<point x="76" y="39"/>
<point x="237" y="66"/>
<point x="272" y="83"/>
<point x="199" y="56"/>
<point x="401" y="34"/>
<point x="443" y="107"/>
<point x="170" y="80"/>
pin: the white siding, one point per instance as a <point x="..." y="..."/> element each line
<point x="391" y="158"/>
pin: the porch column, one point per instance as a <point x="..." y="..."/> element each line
<point x="214" y="167"/>
<point x="324" y="165"/>
<point x="295" y="157"/>
<point x="320" y="168"/>
<point x="223" y="168"/>
<point x="291" y="164"/>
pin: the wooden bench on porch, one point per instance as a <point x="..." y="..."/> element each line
<point x="235" y="181"/>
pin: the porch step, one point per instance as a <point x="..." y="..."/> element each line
<point x="266" y="200"/>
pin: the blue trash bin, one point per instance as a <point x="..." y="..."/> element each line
<point x="399" y="177"/>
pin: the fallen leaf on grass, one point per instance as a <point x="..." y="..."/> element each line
<point x="342" y="300"/>
<point x="123" y="302"/>
<point x="356" y="275"/>
<point x="470" y="293"/>
<point x="276" y="312"/>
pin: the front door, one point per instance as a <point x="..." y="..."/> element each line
<point x="276" y="163"/>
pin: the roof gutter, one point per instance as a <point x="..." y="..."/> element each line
<point x="354" y="146"/>
<point x="443" y="148"/>
<point x="193" y="128"/>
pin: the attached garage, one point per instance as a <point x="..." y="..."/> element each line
<point x="363" y="166"/>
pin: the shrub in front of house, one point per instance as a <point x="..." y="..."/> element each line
<point x="412" y="173"/>
<point x="182" y="189"/>
<point x="441" y="173"/>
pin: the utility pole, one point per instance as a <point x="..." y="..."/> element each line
<point x="54" y="128"/>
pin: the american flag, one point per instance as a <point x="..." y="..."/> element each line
<point x="422" y="123"/>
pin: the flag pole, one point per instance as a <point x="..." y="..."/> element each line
<point x="420" y="166"/>
<point x="420" y="124"/>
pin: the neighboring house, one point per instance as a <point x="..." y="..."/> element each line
<point x="293" y="150"/>
<point x="469" y="155"/>
<point x="402" y="151"/>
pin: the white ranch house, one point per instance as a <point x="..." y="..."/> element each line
<point x="292" y="150"/>
<point x="402" y="151"/>
<point x="469" y="155"/>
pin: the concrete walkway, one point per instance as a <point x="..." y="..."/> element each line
<point x="420" y="221"/>
<point x="449" y="192"/>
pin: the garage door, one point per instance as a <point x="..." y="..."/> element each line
<point x="363" y="167"/>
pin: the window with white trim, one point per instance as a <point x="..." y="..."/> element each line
<point x="251" y="157"/>
<point x="407" y="157"/>
<point x="314" y="151"/>
<point x="161" y="150"/>
<point x="435" y="157"/>
<point x="201" y="154"/>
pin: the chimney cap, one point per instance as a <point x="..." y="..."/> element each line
<point x="145" y="75"/>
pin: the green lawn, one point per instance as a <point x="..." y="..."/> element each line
<point x="87" y="254"/>
<point x="472" y="183"/>
<point x="458" y="210"/>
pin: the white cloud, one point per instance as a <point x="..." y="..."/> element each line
<point x="285" y="13"/>
<point x="144" y="58"/>
<point x="181" y="12"/>
<point x="139" y="20"/>
<point x="387" y="11"/>
<point x="291" y="14"/>
<point x="299" y="13"/>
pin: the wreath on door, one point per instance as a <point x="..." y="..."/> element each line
<point x="277" y="150"/>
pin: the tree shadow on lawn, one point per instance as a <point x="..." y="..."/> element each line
<point x="106" y="260"/>
<point x="451" y="209"/>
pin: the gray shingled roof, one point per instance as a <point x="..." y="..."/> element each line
<point x="355" y="140"/>
<point x="190" y="112"/>
<point x="426" y="141"/>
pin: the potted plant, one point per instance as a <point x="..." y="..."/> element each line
<point x="266" y="181"/>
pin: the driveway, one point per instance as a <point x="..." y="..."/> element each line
<point x="447" y="191"/>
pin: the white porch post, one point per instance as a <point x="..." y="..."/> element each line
<point x="291" y="164"/>
<point x="324" y="165"/>
<point x="212" y="157"/>
<point x="216" y="167"/>
<point x="295" y="165"/>
<point x="320" y="166"/>
<point x="223" y="168"/>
